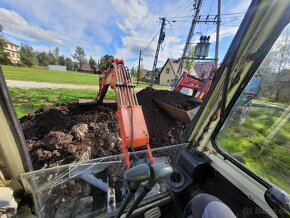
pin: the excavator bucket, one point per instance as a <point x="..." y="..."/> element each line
<point x="177" y="113"/>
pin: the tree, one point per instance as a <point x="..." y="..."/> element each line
<point x="51" y="58"/>
<point x="42" y="58"/>
<point x="27" y="55"/>
<point x="80" y="56"/>
<point x="92" y="64"/>
<point x="277" y="60"/>
<point x="189" y="63"/>
<point x="69" y="64"/>
<point x="61" y="60"/>
<point x="281" y="56"/>
<point x="134" y="72"/>
<point x="56" y="54"/>
<point x="4" y="58"/>
<point x="105" y="62"/>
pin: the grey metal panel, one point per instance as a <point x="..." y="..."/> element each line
<point x="57" y="67"/>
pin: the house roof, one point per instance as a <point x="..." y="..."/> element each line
<point x="284" y="75"/>
<point x="86" y="66"/>
<point x="155" y="73"/>
<point x="175" y="64"/>
<point x="9" y="42"/>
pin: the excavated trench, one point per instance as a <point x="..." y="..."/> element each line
<point x="70" y="133"/>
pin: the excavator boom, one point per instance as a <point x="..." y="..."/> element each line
<point x="133" y="127"/>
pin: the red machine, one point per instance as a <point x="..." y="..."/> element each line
<point x="200" y="87"/>
<point x="133" y="128"/>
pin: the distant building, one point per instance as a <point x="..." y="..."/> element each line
<point x="57" y="67"/>
<point x="85" y="67"/>
<point x="203" y="69"/>
<point x="169" y="71"/>
<point x="13" y="51"/>
<point x="143" y="73"/>
<point x="155" y="73"/>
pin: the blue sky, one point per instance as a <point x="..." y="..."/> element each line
<point x="117" y="27"/>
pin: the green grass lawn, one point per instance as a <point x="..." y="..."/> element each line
<point x="39" y="75"/>
<point x="67" y="77"/>
<point x="30" y="100"/>
<point x="270" y="161"/>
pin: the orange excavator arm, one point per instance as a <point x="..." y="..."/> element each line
<point x="133" y="127"/>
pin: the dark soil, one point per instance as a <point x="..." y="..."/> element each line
<point x="163" y="129"/>
<point x="71" y="133"/>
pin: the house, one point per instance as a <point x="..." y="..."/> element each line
<point x="85" y="67"/>
<point x="155" y="73"/>
<point x="13" y="51"/>
<point x="203" y="69"/>
<point x="169" y="71"/>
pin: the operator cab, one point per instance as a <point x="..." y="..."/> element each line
<point x="234" y="161"/>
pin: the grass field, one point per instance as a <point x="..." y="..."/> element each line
<point x="39" y="75"/>
<point x="67" y="77"/>
<point x="29" y="100"/>
<point x="270" y="161"/>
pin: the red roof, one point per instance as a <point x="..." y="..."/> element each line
<point x="86" y="67"/>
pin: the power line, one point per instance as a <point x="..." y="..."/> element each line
<point x="182" y="10"/>
<point x="150" y="42"/>
<point x="177" y="8"/>
<point x="210" y="15"/>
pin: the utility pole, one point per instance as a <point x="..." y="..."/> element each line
<point x="160" y="40"/>
<point x="138" y="75"/>
<point x="197" y="7"/>
<point x="217" y="34"/>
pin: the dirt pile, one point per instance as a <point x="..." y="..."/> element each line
<point x="71" y="133"/>
<point x="163" y="129"/>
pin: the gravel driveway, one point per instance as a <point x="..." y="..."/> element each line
<point x="39" y="85"/>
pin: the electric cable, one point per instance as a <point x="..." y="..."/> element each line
<point x="150" y="41"/>
<point x="208" y="15"/>
<point x="175" y="10"/>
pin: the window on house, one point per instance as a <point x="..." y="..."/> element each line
<point x="168" y="81"/>
<point x="167" y="70"/>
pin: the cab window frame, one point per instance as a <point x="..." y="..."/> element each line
<point x="221" y="123"/>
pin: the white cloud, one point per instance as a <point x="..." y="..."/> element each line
<point x="119" y="27"/>
<point x="17" y="25"/>
<point x="238" y="7"/>
<point x="62" y="23"/>
<point x="133" y="13"/>
<point x="139" y="26"/>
